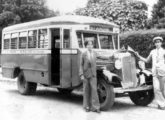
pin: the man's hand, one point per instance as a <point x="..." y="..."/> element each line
<point x="137" y="55"/>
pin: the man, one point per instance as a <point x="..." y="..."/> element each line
<point x="158" y="70"/>
<point x="87" y="74"/>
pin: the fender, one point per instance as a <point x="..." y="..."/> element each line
<point x="147" y="73"/>
<point x="110" y="77"/>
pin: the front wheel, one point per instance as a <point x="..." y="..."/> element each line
<point x="106" y="94"/>
<point x="24" y="87"/>
<point x="142" y="98"/>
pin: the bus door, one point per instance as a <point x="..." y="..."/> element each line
<point x="55" y="55"/>
<point x="66" y="52"/>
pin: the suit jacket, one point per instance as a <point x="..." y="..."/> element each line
<point x="87" y="65"/>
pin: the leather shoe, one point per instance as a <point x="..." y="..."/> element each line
<point x="87" y="109"/>
<point x="161" y="108"/>
<point x="96" y="110"/>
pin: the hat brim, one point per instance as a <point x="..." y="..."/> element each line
<point x="158" y="39"/>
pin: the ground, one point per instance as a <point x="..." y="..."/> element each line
<point x="49" y="104"/>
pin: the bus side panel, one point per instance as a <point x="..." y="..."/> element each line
<point x="35" y="66"/>
<point x="37" y="76"/>
<point x="7" y="72"/>
<point x="75" y="70"/>
<point x="9" y="62"/>
<point x="65" y="69"/>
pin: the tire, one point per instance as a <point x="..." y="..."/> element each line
<point x="142" y="98"/>
<point x="106" y="95"/>
<point x="24" y="87"/>
<point x="65" y="91"/>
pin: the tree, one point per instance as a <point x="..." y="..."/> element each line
<point x="158" y="14"/>
<point x="27" y="10"/>
<point x="128" y="14"/>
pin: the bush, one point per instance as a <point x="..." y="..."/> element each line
<point x="159" y="26"/>
<point x="162" y="20"/>
<point x="141" y="41"/>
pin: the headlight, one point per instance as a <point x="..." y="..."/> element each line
<point x="141" y="65"/>
<point x="118" y="64"/>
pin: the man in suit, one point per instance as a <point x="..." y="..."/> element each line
<point x="87" y="74"/>
<point x="158" y="71"/>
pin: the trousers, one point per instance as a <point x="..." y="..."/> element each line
<point x="90" y="96"/>
<point x="159" y="89"/>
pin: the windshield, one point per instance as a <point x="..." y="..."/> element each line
<point x="105" y="41"/>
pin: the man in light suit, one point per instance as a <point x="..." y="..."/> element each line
<point x="158" y="71"/>
<point x="87" y="74"/>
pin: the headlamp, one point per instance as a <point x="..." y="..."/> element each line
<point x="118" y="64"/>
<point x="141" y="65"/>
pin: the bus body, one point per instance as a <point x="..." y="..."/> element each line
<point x="48" y="52"/>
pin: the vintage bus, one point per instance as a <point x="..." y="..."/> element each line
<point x="48" y="52"/>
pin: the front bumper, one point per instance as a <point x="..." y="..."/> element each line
<point x="126" y="90"/>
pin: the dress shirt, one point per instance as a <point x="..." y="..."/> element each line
<point x="158" y="60"/>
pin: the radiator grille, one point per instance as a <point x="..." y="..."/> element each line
<point x="129" y="72"/>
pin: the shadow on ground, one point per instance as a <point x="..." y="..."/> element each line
<point x="121" y="103"/>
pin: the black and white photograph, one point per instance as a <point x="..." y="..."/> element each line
<point x="82" y="59"/>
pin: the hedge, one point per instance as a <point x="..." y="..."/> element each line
<point x="141" y="41"/>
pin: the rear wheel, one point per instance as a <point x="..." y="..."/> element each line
<point x="24" y="87"/>
<point x="106" y="95"/>
<point x="142" y="98"/>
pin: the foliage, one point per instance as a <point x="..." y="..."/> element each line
<point x="158" y="14"/>
<point x="8" y="18"/>
<point x="161" y="23"/>
<point x="15" y="11"/>
<point x="128" y="14"/>
<point x="158" y="11"/>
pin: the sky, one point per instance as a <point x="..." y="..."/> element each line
<point x="65" y="6"/>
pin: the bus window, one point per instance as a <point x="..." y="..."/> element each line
<point x="106" y="42"/>
<point x="79" y="39"/>
<point x="93" y="37"/>
<point x="32" y="39"/>
<point x="14" y="38"/>
<point x="6" y="41"/>
<point x="43" y="38"/>
<point x="66" y="38"/>
<point x="22" y="40"/>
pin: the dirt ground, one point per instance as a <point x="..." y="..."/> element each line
<point x="49" y="104"/>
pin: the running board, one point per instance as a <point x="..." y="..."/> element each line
<point x="139" y="88"/>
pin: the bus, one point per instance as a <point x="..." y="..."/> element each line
<point x="48" y="52"/>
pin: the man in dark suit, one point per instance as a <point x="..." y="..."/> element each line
<point x="87" y="74"/>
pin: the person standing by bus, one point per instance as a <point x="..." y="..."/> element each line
<point x="158" y="71"/>
<point x="88" y="76"/>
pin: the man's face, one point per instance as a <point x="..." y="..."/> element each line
<point x="158" y="43"/>
<point x="90" y="45"/>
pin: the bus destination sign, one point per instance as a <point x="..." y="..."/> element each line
<point x="103" y="29"/>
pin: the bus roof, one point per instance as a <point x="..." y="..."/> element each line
<point x="66" y="19"/>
